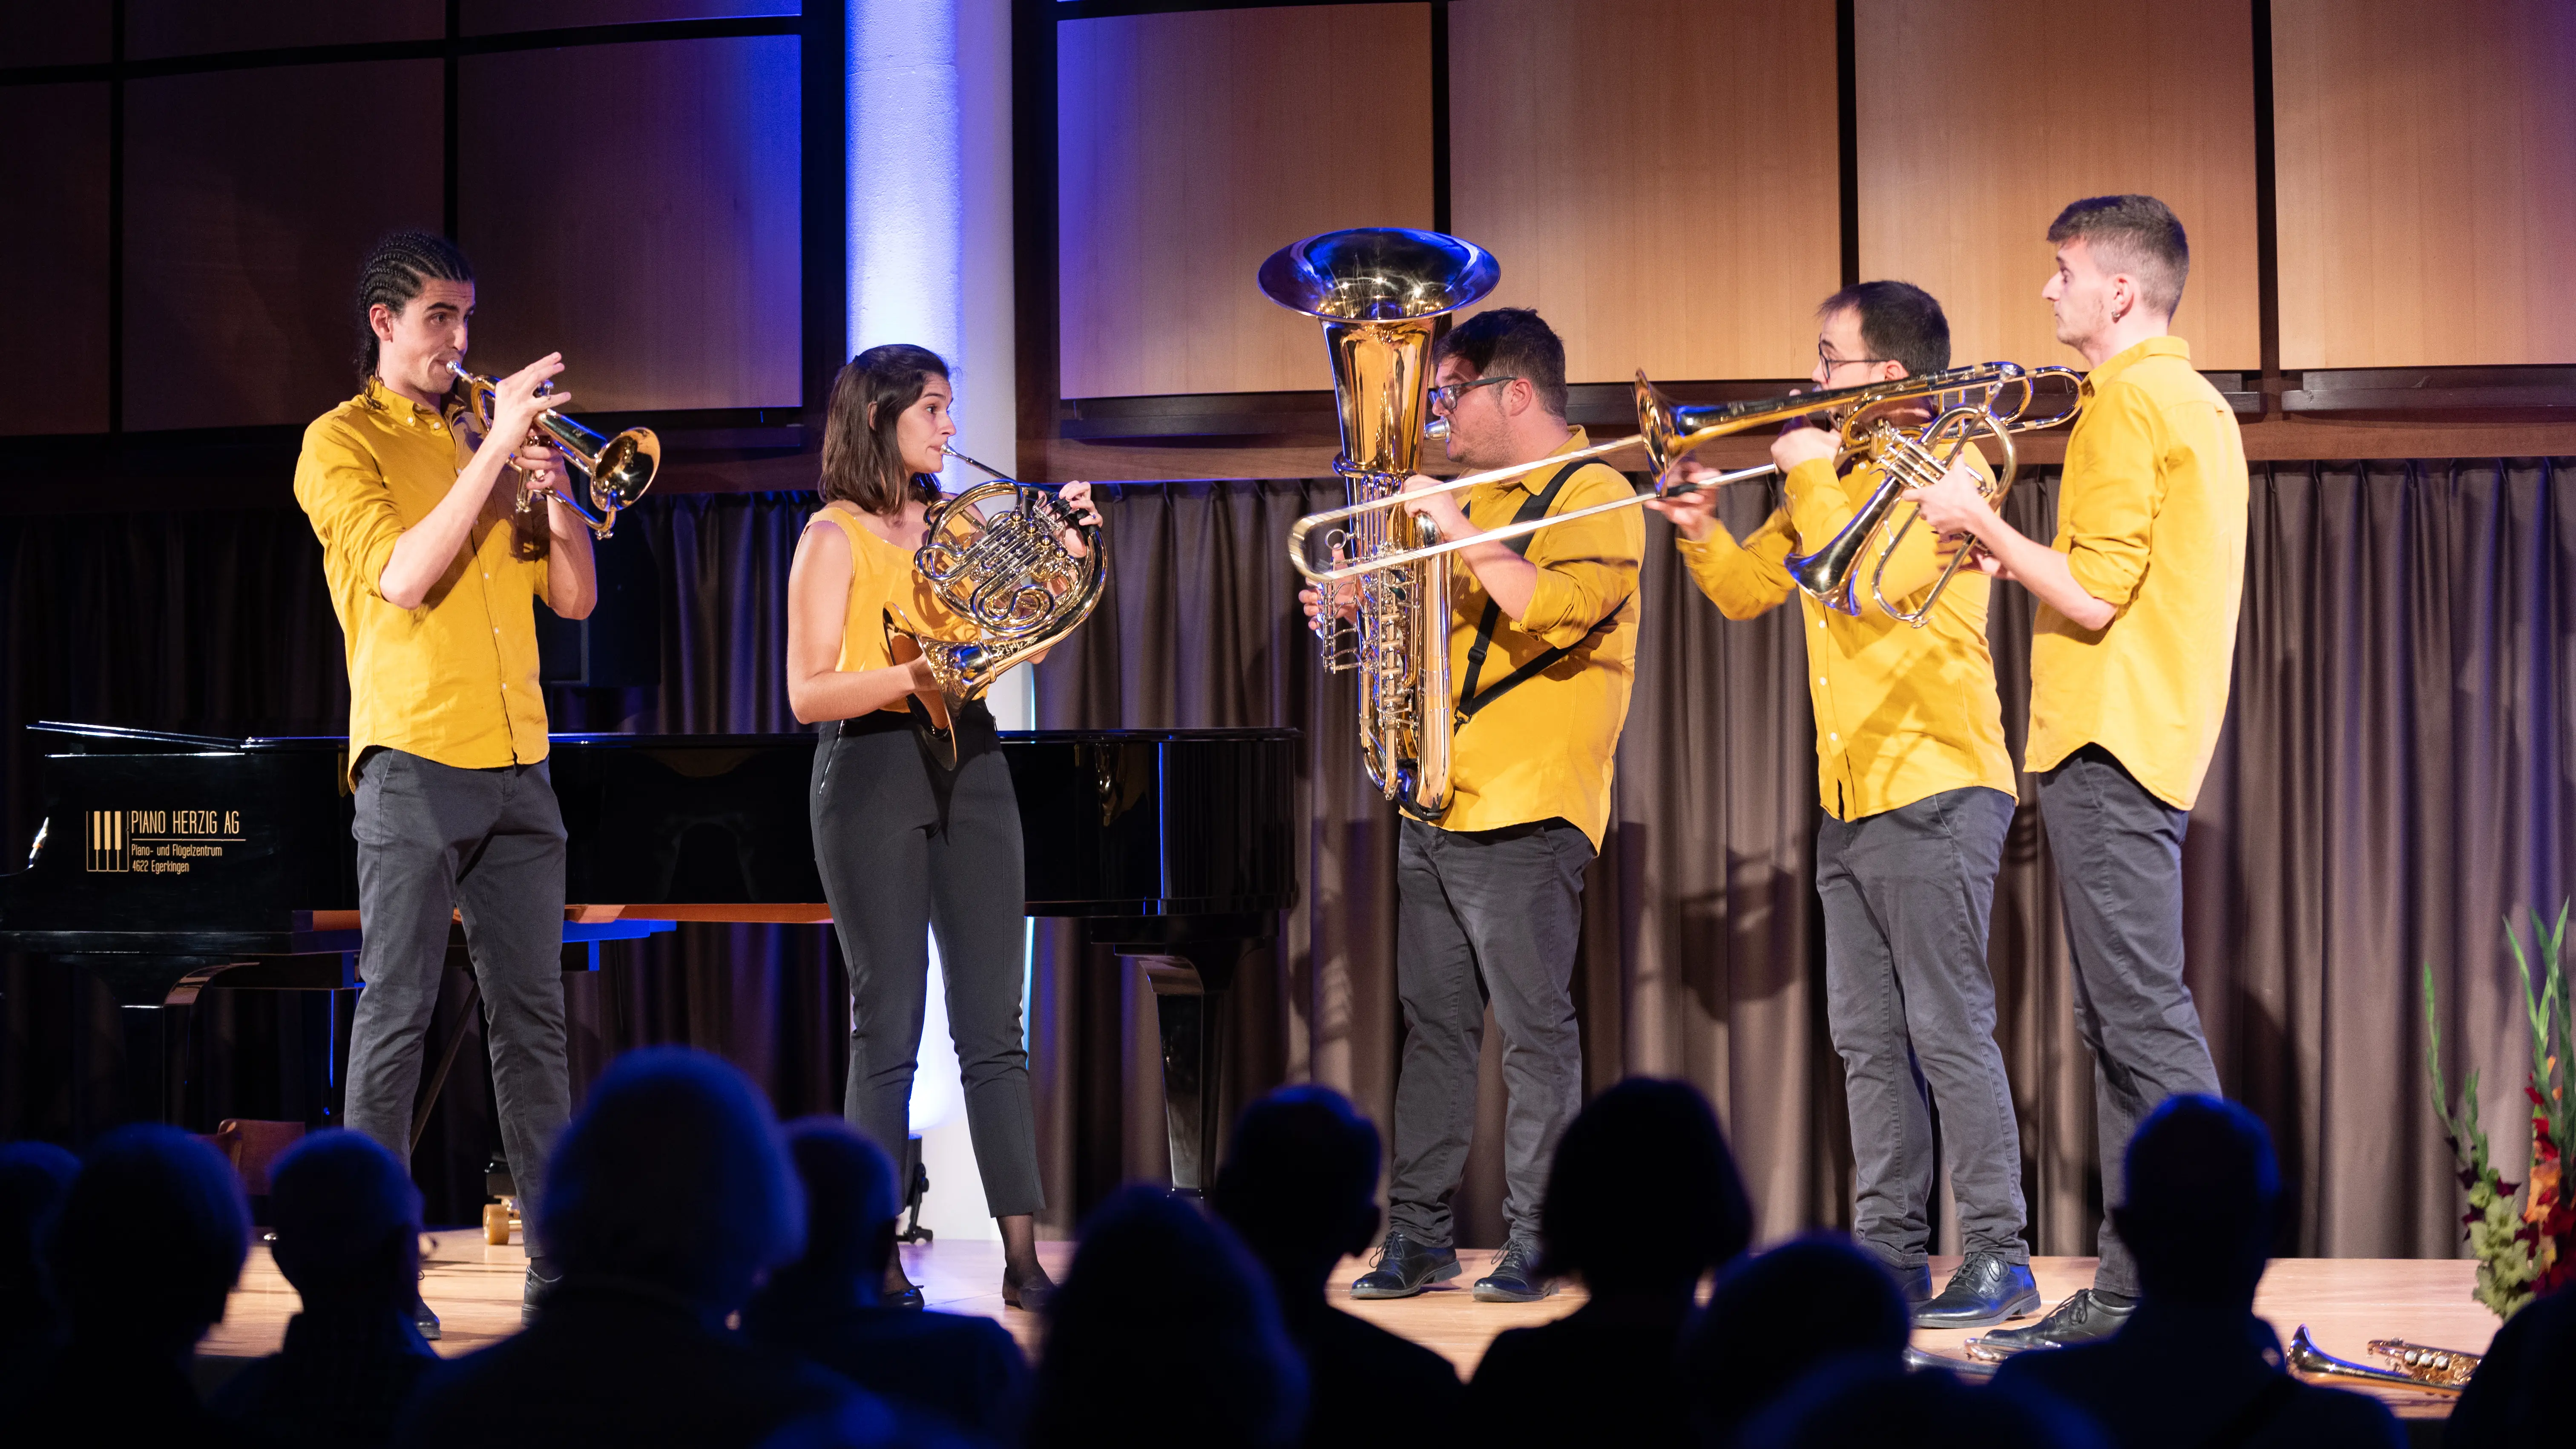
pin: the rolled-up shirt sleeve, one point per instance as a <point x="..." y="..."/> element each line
<point x="342" y="489"/>
<point x="1743" y="579"/>
<point x="1586" y="568"/>
<point x="2106" y="507"/>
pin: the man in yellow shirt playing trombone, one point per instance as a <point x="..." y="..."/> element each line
<point x="1918" y="792"/>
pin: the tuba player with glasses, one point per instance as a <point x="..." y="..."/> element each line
<point x="1542" y="644"/>
<point x="1918" y="792"/>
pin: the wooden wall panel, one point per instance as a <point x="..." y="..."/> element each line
<point x="155" y="28"/>
<point x="1191" y="146"/>
<point x="56" y="32"/>
<point x="53" y="375"/>
<point x="483" y="17"/>
<point x="250" y="199"/>
<point x="2426" y="164"/>
<point x="1657" y="177"/>
<point x="655" y="241"/>
<point x="1980" y="119"/>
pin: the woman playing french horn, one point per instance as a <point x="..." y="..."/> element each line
<point x="916" y="828"/>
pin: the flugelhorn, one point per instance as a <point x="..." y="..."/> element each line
<point x="616" y="471"/>
<point x="2411" y="1365"/>
<point x="1968" y="402"/>
<point x="1007" y="573"/>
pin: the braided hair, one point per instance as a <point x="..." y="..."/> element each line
<point x="397" y="266"/>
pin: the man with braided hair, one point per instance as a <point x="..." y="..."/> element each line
<point x="434" y="572"/>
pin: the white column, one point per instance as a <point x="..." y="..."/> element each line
<point x="930" y="256"/>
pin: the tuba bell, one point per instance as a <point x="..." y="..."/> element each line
<point x="1377" y="291"/>
<point x="614" y="471"/>
<point x="1006" y="571"/>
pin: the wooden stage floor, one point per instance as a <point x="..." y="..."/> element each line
<point x="2344" y="1302"/>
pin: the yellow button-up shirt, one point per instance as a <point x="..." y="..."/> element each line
<point x="2151" y="518"/>
<point x="454" y="680"/>
<point x="1902" y="713"/>
<point x="1545" y="749"/>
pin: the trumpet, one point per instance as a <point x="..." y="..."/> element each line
<point x="1916" y="458"/>
<point x="1008" y="573"/>
<point x="2411" y="1365"/>
<point x="617" y="470"/>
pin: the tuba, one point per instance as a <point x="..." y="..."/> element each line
<point x="616" y="471"/>
<point x="1377" y="291"/>
<point x="1007" y="573"/>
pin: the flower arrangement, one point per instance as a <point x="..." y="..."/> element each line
<point x="2526" y="1249"/>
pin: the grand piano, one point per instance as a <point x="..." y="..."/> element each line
<point x="170" y="864"/>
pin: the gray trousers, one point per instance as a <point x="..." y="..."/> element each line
<point x="435" y="841"/>
<point x="1489" y="915"/>
<point x="2119" y="872"/>
<point x="1908" y="894"/>
<point x="910" y="845"/>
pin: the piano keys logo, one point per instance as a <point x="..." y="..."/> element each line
<point x="159" y="842"/>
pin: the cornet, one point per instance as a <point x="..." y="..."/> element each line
<point x="617" y="470"/>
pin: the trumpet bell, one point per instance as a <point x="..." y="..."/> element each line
<point x="626" y="466"/>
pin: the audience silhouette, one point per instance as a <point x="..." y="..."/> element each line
<point x="1865" y="1399"/>
<point x="827" y="1307"/>
<point x="347" y="1235"/>
<point x="34" y="1177"/>
<point x="667" y="1199"/>
<point x="1164" y="1328"/>
<point x="1299" y="1187"/>
<point x="2204" y="1197"/>
<point x="2518" y="1398"/>
<point x="147" y="1245"/>
<point x="1776" y="1315"/>
<point x="1642" y="1200"/>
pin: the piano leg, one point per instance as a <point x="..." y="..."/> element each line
<point x="1190" y="995"/>
<point x="152" y="994"/>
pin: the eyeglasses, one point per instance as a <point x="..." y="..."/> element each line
<point x="1445" y="398"/>
<point x="1831" y="362"/>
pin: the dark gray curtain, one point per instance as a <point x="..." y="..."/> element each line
<point x="2394" y="781"/>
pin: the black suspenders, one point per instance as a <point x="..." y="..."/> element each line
<point x="1469" y="700"/>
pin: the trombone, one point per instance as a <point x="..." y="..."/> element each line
<point x="1670" y="431"/>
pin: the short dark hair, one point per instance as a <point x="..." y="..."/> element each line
<point x="1643" y="1191"/>
<point x="2138" y="235"/>
<point x="861" y="460"/>
<point x="1510" y="342"/>
<point x="1300" y="1178"/>
<point x="150" y="1239"/>
<point x="394" y="271"/>
<point x="1899" y="322"/>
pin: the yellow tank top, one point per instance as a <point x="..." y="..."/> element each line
<point x="883" y="588"/>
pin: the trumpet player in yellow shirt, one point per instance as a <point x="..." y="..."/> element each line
<point x="2130" y="657"/>
<point x="1918" y="793"/>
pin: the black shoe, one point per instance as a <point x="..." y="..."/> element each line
<point x="1512" y="1280"/>
<point x="1404" y="1268"/>
<point x="532" y="1294"/>
<point x="1984" y="1292"/>
<point x="910" y="1297"/>
<point x="2084" y="1318"/>
<point x="1030" y="1293"/>
<point x="424" y="1320"/>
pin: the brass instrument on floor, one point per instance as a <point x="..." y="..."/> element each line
<point x="1007" y="572"/>
<point x="2411" y="1365"/>
<point x="615" y="471"/>
<point x="1377" y="291"/>
<point x="1967" y="402"/>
